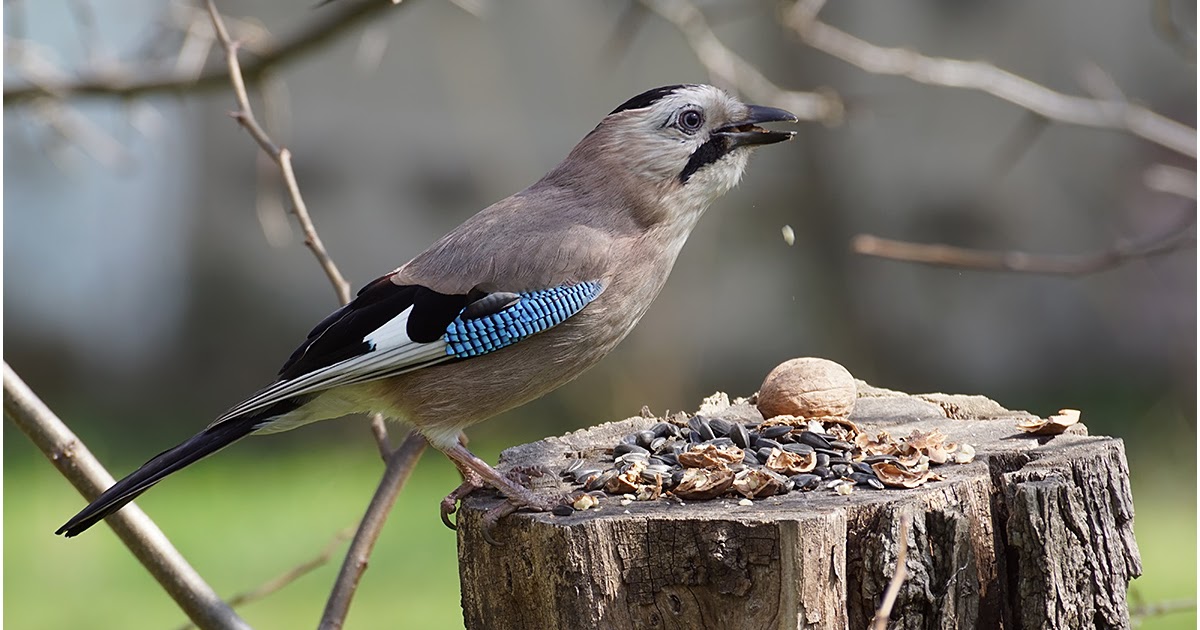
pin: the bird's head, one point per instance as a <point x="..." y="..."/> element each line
<point x="679" y="145"/>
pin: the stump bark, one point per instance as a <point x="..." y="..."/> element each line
<point x="1037" y="532"/>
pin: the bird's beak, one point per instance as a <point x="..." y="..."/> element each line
<point x="746" y="132"/>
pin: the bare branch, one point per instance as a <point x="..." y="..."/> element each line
<point x="1140" y="612"/>
<point x="1171" y="179"/>
<point x="292" y="574"/>
<point x="889" y="597"/>
<point x="282" y="157"/>
<point x="401" y="461"/>
<point x="1121" y="252"/>
<point x="140" y="81"/>
<point x="147" y="542"/>
<point x="399" y="467"/>
<point x="985" y="77"/>
<point x="729" y="70"/>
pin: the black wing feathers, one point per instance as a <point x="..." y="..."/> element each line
<point x="432" y="313"/>
<point x="343" y="334"/>
<point x="340" y="336"/>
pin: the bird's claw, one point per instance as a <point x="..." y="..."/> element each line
<point x="511" y="506"/>
<point x="493" y="516"/>
<point x="471" y="482"/>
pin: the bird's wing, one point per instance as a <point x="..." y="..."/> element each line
<point x="539" y="238"/>
<point x="390" y="329"/>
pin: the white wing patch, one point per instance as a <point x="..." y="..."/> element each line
<point x="392" y="353"/>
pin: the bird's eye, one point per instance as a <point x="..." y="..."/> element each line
<point x="690" y="120"/>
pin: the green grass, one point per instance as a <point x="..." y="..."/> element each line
<point x="240" y="520"/>
<point x="243" y="518"/>
<point x="1165" y="525"/>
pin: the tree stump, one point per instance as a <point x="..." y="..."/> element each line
<point x="1036" y="532"/>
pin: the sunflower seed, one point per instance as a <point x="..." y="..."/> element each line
<point x="634" y="456"/>
<point x="806" y="481"/>
<point x="864" y="479"/>
<point x="583" y="473"/>
<point x="739" y="435"/>
<point x="863" y="468"/>
<point x="664" y="429"/>
<point x="763" y="442"/>
<point x="720" y="428"/>
<point x="799" y="449"/>
<point x="814" y="440"/>
<point x="701" y="426"/>
<point x="625" y="447"/>
<point x="596" y="482"/>
<point x="775" y="431"/>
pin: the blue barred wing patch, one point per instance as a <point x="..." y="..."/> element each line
<point x="534" y="312"/>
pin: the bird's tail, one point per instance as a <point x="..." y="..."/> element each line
<point x="199" y="446"/>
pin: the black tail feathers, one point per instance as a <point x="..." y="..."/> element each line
<point x="199" y="446"/>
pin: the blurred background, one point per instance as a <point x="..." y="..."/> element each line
<point x="152" y="277"/>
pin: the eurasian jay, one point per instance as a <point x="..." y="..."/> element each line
<point x="518" y="300"/>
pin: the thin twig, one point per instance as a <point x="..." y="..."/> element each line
<point x="283" y="157"/>
<point x="401" y="461"/>
<point x="729" y="70"/>
<point x="965" y="258"/>
<point x="889" y="597"/>
<point x="143" y="538"/>
<point x="1171" y="179"/>
<point x="988" y="78"/>
<point x="292" y="574"/>
<point x="140" y="81"/>
<point x="1144" y="610"/>
<point x="399" y="467"/>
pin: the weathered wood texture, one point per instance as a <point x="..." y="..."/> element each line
<point x="1035" y="533"/>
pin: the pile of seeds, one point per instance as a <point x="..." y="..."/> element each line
<point x="707" y="458"/>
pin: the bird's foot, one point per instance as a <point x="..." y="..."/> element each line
<point x="471" y="482"/>
<point x="521" y="498"/>
<point x="478" y="474"/>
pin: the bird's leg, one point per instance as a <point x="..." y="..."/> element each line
<point x="471" y="482"/>
<point x="474" y="469"/>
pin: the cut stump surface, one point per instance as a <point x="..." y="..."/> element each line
<point x="1037" y="532"/>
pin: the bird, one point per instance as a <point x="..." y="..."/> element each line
<point x="516" y="301"/>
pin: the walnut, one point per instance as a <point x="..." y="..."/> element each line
<point x="808" y="388"/>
